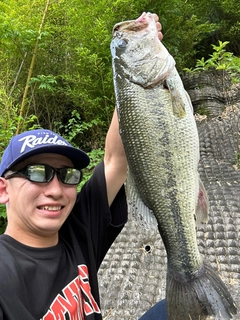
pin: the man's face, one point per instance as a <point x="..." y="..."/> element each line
<point x="39" y="209"/>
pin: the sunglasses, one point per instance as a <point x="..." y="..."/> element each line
<point x="44" y="173"/>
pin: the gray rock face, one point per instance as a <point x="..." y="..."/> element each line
<point x="211" y="91"/>
<point x="132" y="275"/>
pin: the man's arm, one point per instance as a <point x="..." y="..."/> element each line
<point x="115" y="161"/>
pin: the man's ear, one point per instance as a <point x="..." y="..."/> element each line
<point x="4" y="197"/>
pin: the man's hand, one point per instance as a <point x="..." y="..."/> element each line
<point x="159" y="26"/>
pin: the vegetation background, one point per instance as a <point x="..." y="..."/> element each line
<point x="55" y="61"/>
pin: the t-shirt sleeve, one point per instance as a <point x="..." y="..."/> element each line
<point x="95" y="222"/>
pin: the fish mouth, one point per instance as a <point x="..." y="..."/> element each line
<point x="130" y="25"/>
<point x="133" y="25"/>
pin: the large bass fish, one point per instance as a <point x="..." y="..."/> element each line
<point x="160" y="138"/>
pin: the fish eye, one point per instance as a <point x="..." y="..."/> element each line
<point x="122" y="43"/>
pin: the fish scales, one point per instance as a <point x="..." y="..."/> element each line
<point x="160" y="138"/>
<point x="166" y="156"/>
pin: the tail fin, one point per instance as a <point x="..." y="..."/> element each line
<point x="205" y="295"/>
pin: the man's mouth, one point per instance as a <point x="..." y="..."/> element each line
<point x="50" y="208"/>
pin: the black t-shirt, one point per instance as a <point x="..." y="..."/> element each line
<point x="60" y="282"/>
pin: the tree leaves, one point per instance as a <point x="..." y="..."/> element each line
<point x="72" y="69"/>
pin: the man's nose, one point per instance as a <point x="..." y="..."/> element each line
<point x="54" y="187"/>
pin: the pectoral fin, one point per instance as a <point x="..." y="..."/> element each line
<point x="177" y="101"/>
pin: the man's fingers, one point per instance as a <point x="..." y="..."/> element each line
<point x="159" y="26"/>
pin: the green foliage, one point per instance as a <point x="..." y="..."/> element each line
<point x="184" y="27"/>
<point x="3" y="218"/>
<point x="8" y="128"/>
<point x="74" y="128"/>
<point x="9" y="119"/>
<point x="237" y="159"/>
<point x="96" y="156"/>
<point x="219" y="60"/>
<point x="73" y="70"/>
<point x="44" y="82"/>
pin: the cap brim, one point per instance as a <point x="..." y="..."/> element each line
<point x="78" y="157"/>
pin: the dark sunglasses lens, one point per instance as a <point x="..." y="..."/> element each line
<point x="70" y="176"/>
<point x="45" y="173"/>
<point x="39" y="173"/>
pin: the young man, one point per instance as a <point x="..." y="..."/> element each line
<point x="56" y="239"/>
